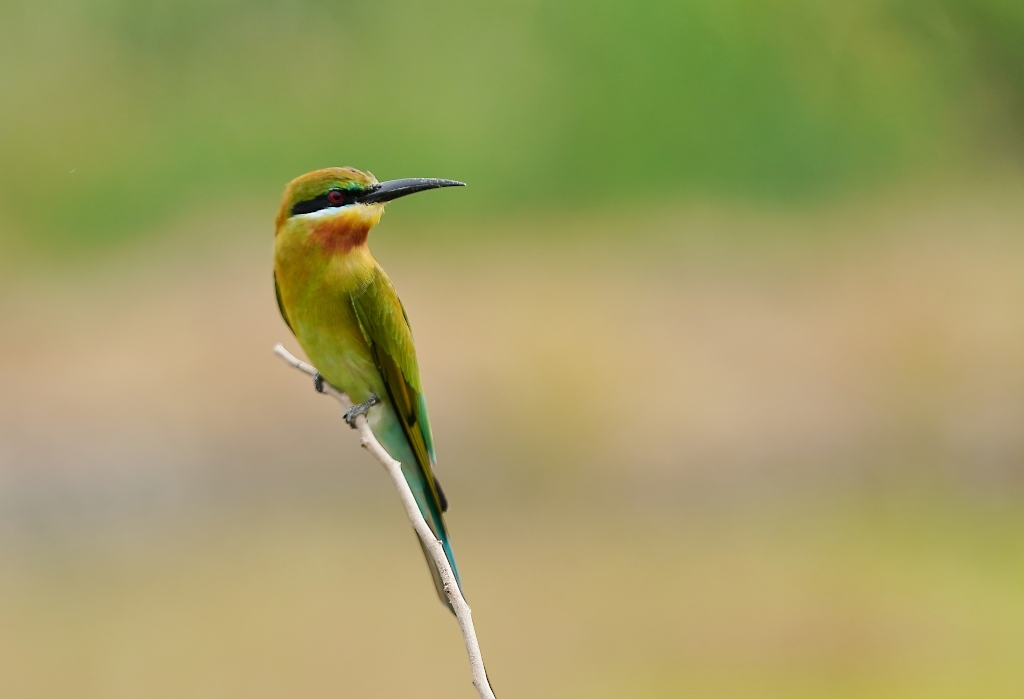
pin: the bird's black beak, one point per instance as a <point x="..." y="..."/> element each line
<point x="393" y="189"/>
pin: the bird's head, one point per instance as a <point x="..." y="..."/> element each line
<point x="342" y="203"/>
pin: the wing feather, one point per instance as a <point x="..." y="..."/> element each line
<point x="280" y="303"/>
<point x="386" y="328"/>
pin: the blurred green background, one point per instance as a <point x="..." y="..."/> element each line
<point x="723" y="345"/>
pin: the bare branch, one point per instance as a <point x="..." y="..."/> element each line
<point x="451" y="587"/>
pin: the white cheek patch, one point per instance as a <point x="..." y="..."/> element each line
<point x="324" y="213"/>
<point x="349" y="215"/>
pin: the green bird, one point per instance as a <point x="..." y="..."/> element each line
<point x="345" y="313"/>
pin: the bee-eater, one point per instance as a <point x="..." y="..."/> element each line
<point x="345" y="313"/>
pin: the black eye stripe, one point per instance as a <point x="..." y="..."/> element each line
<point x="323" y="201"/>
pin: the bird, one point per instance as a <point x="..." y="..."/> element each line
<point x="344" y="311"/>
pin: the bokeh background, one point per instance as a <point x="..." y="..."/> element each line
<point x="724" y="348"/>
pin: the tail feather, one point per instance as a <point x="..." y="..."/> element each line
<point x="394" y="440"/>
<point x="435" y="520"/>
<point x="435" y="574"/>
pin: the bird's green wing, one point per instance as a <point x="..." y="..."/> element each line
<point x="386" y="328"/>
<point x="424" y="419"/>
<point x="280" y="304"/>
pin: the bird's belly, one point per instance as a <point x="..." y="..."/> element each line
<point x="316" y="292"/>
<point x="332" y="339"/>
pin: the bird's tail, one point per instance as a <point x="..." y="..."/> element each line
<point x="419" y="475"/>
<point x="435" y="574"/>
<point x="431" y="511"/>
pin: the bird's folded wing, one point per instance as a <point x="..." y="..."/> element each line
<point x="386" y="328"/>
<point x="280" y="304"/>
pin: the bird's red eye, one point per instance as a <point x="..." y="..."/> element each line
<point x="335" y="196"/>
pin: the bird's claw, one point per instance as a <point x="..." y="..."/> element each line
<point x="356" y="410"/>
<point x="318" y="382"/>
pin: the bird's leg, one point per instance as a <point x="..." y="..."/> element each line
<point x="356" y="410"/>
<point x="318" y="382"/>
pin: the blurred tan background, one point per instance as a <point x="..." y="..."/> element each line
<point x="723" y="347"/>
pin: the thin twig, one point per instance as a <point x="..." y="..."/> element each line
<point x="451" y="587"/>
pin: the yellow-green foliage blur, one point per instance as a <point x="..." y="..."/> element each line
<point x="723" y="345"/>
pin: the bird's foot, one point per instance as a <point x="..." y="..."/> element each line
<point x="356" y="410"/>
<point x="318" y="382"/>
